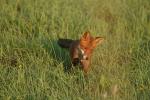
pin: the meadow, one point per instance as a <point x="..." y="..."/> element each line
<point x="32" y="64"/>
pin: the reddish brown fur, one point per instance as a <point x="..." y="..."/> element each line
<point x="87" y="43"/>
<point x="81" y="50"/>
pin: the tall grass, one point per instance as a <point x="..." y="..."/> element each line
<point x="32" y="65"/>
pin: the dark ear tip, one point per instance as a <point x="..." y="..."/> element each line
<point x="87" y="32"/>
<point x="102" y="38"/>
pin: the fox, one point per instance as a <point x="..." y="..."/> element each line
<point x="81" y="50"/>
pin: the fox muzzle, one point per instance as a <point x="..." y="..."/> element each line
<point x="82" y="55"/>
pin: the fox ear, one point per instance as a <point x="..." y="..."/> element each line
<point x="86" y="35"/>
<point x="97" y="40"/>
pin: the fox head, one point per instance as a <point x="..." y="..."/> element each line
<point x="88" y="43"/>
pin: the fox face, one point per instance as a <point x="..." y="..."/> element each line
<point x="88" y="44"/>
<point x="81" y="50"/>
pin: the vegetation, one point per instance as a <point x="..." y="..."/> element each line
<point x="32" y="64"/>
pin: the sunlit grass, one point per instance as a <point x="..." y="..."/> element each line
<point x="33" y="66"/>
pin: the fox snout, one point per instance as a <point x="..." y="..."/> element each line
<point x="82" y="54"/>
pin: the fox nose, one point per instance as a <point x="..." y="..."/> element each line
<point x="85" y="57"/>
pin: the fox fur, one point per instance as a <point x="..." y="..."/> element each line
<point x="81" y="50"/>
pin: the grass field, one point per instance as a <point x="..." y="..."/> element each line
<point x="32" y="64"/>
